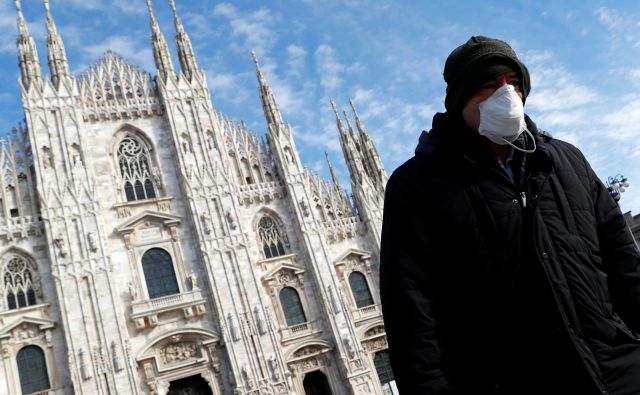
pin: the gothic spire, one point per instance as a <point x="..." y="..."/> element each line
<point x="334" y="177"/>
<point x="58" y="64"/>
<point x="349" y="149"/>
<point x="160" y="49"/>
<point x="187" y="57"/>
<point x="269" y="105"/>
<point x="27" y="53"/>
<point x="369" y="151"/>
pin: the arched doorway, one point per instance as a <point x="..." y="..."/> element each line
<point x="192" y="385"/>
<point x="316" y="383"/>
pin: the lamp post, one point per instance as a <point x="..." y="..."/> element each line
<point x="617" y="185"/>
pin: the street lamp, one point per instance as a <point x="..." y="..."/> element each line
<point x="617" y="185"/>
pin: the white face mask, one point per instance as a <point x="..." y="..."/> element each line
<point x="502" y="117"/>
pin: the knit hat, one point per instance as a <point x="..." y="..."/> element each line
<point x="474" y="63"/>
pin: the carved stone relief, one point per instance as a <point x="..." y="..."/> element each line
<point x="178" y="352"/>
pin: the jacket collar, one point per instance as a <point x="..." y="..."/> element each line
<point x="450" y="136"/>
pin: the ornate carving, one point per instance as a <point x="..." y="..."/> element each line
<point x="260" y="322"/>
<point x="59" y="243"/>
<point x="133" y="291"/>
<point x="118" y="363"/>
<point x="334" y="300"/>
<point x="206" y="223"/>
<point x="91" y="240"/>
<point x="194" y="281"/>
<point x="348" y="344"/>
<point x="284" y="278"/>
<point x="85" y="369"/>
<point x="148" y="370"/>
<point x="231" y="220"/>
<point x="178" y="352"/>
<point x="233" y="330"/>
<point x="273" y="365"/>
<point x="375" y="345"/>
<point x="304" y="207"/>
<point x="248" y="381"/>
<point x="374" y="331"/>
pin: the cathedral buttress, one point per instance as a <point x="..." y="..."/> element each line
<point x="367" y="180"/>
<point x="70" y="210"/>
<point x="58" y="63"/>
<point x="279" y="135"/>
<point x="161" y="54"/>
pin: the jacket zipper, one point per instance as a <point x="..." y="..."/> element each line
<point x="523" y="197"/>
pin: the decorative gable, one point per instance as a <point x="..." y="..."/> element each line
<point x="353" y="259"/>
<point x="286" y="273"/>
<point x="27" y="328"/>
<point x="149" y="226"/>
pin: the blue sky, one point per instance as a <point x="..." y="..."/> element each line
<point x="387" y="55"/>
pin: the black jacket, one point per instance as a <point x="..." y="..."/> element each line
<point x="494" y="288"/>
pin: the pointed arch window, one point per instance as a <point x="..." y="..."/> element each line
<point x="32" y="369"/>
<point x="159" y="274"/>
<point x="135" y="169"/>
<point x="18" y="280"/>
<point x="270" y="238"/>
<point x="360" y="290"/>
<point x="292" y="306"/>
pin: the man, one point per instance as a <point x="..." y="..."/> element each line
<point x="506" y="267"/>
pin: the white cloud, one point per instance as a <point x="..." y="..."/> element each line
<point x="330" y="68"/>
<point x="254" y="28"/>
<point x="229" y="86"/>
<point x="623" y="28"/>
<point x="297" y="55"/>
<point x="126" y="6"/>
<point x="609" y="18"/>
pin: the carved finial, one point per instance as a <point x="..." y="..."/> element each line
<point x="255" y="58"/>
<point x="149" y="6"/>
<point x="353" y="107"/>
<point x="46" y="7"/>
<point x="173" y="7"/>
<point x="333" y="105"/>
<point x="18" y="7"/>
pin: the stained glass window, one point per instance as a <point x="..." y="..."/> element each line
<point x="292" y="307"/>
<point x="134" y="164"/>
<point x="18" y="284"/>
<point x="32" y="369"/>
<point x="360" y="290"/>
<point x="269" y="237"/>
<point x="158" y="273"/>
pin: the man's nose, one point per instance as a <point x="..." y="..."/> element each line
<point x="502" y="80"/>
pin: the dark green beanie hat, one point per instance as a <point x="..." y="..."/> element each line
<point x="474" y="63"/>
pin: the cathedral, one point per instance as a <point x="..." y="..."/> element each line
<point x="150" y="244"/>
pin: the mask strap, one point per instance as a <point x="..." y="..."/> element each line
<point x="526" y="151"/>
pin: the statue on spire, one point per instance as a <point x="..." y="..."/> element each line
<point x="27" y="53"/>
<point x="188" y="65"/>
<point x="269" y="105"/>
<point x="58" y="64"/>
<point x="161" y="54"/>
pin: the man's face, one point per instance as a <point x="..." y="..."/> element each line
<point x="471" y="110"/>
